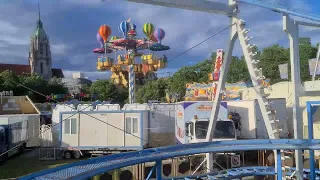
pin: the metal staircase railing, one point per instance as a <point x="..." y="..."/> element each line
<point x="268" y="113"/>
<point x="255" y="71"/>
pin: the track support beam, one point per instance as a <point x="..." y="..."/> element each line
<point x="291" y="28"/>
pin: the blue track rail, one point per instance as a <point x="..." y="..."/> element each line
<point x="88" y="168"/>
<point x="281" y="9"/>
<point x="244" y="172"/>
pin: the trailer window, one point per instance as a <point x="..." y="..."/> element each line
<point x="224" y="130"/>
<point x="67" y="126"/>
<point x="70" y="126"/>
<point x="134" y="125"/>
<point x="128" y="125"/>
<point x="73" y="126"/>
<point x="131" y="125"/>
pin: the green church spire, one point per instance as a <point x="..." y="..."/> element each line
<point x="40" y="33"/>
<point x="39" y="23"/>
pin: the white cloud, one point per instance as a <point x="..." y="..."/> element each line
<point x="60" y="49"/>
<point x="7" y="27"/>
<point x="184" y="28"/>
<point x="13" y="34"/>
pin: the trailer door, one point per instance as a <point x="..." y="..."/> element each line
<point x="93" y="130"/>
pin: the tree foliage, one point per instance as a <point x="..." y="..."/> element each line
<point x="32" y="85"/>
<point x="154" y="90"/>
<point x="105" y="89"/>
<point x="269" y="57"/>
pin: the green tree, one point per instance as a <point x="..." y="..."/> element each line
<point x="32" y="85"/>
<point x="238" y="70"/>
<point x="9" y="82"/>
<point x="270" y="58"/>
<point x="177" y="82"/>
<point x="153" y="90"/>
<point x="274" y="55"/>
<point x="305" y="40"/>
<point x="307" y="51"/>
<point x="105" y="89"/>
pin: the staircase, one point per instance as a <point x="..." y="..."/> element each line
<point x="271" y="123"/>
<point x="268" y="114"/>
<point x="257" y="78"/>
<point x="285" y="156"/>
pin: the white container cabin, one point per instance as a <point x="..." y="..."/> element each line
<point x="15" y="109"/>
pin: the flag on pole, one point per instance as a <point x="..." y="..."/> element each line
<point x="283" y="69"/>
<point x="312" y="66"/>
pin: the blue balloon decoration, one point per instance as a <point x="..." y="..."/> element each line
<point x="133" y="26"/>
<point x="124" y="28"/>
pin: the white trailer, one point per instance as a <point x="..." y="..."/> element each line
<point x="15" y="109"/>
<point x="252" y="124"/>
<point x="162" y="124"/>
<point x="192" y="120"/>
<point x="105" y="128"/>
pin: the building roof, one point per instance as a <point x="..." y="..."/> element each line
<point x="18" y="69"/>
<point x="21" y="69"/>
<point x="57" y="73"/>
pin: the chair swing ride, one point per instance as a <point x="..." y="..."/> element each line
<point x="127" y="50"/>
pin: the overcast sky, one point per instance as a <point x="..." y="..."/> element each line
<point x="72" y="26"/>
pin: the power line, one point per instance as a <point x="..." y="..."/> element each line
<point x="201" y="42"/>
<point x="78" y="111"/>
<point x="82" y="111"/>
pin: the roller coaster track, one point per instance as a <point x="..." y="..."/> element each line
<point x="95" y="166"/>
<point x="244" y="172"/>
<point x="281" y="9"/>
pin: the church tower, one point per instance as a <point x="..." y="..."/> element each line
<point x="40" y="55"/>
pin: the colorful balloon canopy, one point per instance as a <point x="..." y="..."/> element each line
<point x="105" y="32"/>
<point x="159" y="34"/>
<point x="99" y="39"/>
<point x="124" y="28"/>
<point x="153" y="38"/>
<point x="113" y="38"/>
<point x="148" y="29"/>
<point x="132" y="26"/>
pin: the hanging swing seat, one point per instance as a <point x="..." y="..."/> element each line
<point x="162" y="63"/>
<point x="149" y="59"/>
<point x="153" y="68"/>
<point x="106" y="62"/>
<point x="126" y="59"/>
<point x="137" y="68"/>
